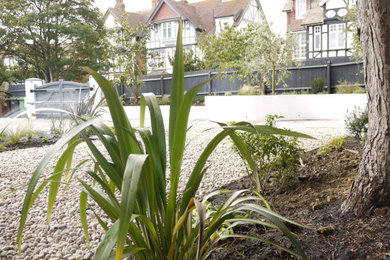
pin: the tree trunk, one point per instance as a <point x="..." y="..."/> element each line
<point x="371" y="187"/>
<point x="273" y="79"/>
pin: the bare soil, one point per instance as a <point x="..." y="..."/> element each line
<point x="314" y="201"/>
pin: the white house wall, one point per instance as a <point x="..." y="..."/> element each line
<point x="220" y="23"/>
<point x="110" y="22"/>
<point x="333" y="4"/>
<point x="324" y="51"/>
<point x="165" y="47"/>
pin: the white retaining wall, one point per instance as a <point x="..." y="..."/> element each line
<point x="292" y="107"/>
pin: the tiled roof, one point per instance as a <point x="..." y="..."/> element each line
<point x="202" y="13"/>
<point x="288" y="7"/>
<point x="314" y="15"/>
<point x="133" y="18"/>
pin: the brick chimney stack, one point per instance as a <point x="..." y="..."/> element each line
<point x="155" y="3"/>
<point x="120" y="5"/>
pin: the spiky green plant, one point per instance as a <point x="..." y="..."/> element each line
<point x="148" y="220"/>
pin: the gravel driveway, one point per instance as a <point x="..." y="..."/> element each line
<point x="64" y="238"/>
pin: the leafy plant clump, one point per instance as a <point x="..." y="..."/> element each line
<point x="356" y="123"/>
<point x="335" y="144"/>
<point x="317" y="86"/>
<point x="147" y="218"/>
<point x="276" y="157"/>
<point x="345" y="87"/>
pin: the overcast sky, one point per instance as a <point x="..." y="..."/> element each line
<point x="272" y="9"/>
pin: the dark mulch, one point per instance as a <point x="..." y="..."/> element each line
<point x="315" y="200"/>
<point x="36" y="141"/>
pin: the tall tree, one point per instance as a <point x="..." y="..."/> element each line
<point x="371" y="187"/>
<point x="258" y="55"/>
<point x="268" y="56"/>
<point x="53" y="37"/>
<point x="227" y="47"/>
<point x="127" y="53"/>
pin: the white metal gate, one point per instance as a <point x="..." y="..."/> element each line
<point x="53" y="99"/>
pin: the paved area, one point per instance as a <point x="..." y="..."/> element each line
<point x="197" y="113"/>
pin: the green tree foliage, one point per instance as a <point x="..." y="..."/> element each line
<point x="191" y="61"/>
<point x="267" y="52"/>
<point x="253" y="52"/>
<point x="53" y="38"/>
<point x="227" y="47"/>
<point x="352" y="18"/>
<point x="128" y="54"/>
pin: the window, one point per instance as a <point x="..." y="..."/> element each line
<point x="300" y="53"/>
<point x="300" y="9"/>
<point x="169" y="30"/>
<point x="337" y="36"/>
<point x="317" y="38"/>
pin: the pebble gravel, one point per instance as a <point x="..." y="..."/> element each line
<point x="64" y="237"/>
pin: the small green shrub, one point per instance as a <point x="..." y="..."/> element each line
<point x="356" y="123"/>
<point x="57" y="127"/>
<point x="228" y="93"/>
<point x="13" y="136"/>
<point x="247" y="90"/>
<point x="44" y="140"/>
<point x="276" y="157"/>
<point x="199" y="101"/>
<point x="345" y="87"/>
<point x="317" y="86"/>
<point x="164" y="100"/>
<point x="335" y="144"/>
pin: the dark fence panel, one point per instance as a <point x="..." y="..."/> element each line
<point x="17" y="90"/>
<point x="300" y="79"/>
<point x="352" y="73"/>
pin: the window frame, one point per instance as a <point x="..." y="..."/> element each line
<point x="300" y="9"/>
<point x="317" y="38"/>
<point x="337" y="36"/>
<point x="301" y="52"/>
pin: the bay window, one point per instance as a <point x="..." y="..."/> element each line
<point x="337" y="36"/>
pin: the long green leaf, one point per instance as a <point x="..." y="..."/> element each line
<point x="123" y="129"/>
<point x="130" y="186"/>
<point x="37" y="173"/>
<point x="157" y="124"/>
<point x="105" y="247"/>
<point x="58" y="170"/>
<point x="109" y="206"/>
<point x="83" y="214"/>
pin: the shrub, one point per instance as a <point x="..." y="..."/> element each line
<point x="276" y="157"/>
<point x="335" y="144"/>
<point x="317" y="86"/>
<point x="356" y="123"/>
<point x="345" y="87"/>
<point x="148" y="220"/>
<point x="164" y="100"/>
<point x="244" y="91"/>
<point x="14" y="136"/>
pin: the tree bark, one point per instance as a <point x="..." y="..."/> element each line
<point x="371" y="188"/>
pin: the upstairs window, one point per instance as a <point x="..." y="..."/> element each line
<point x="300" y="53"/>
<point x="300" y="9"/>
<point x="169" y="30"/>
<point x="337" y="36"/>
<point x="317" y="38"/>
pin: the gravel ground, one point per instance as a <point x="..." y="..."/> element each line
<point x="64" y="238"/>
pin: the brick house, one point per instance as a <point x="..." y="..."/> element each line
<point x="320" y="29"/>
<point x="201" y="16"/>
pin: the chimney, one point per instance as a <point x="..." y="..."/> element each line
<point x="155" y="3"/>
<point x="120" y="5"/>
